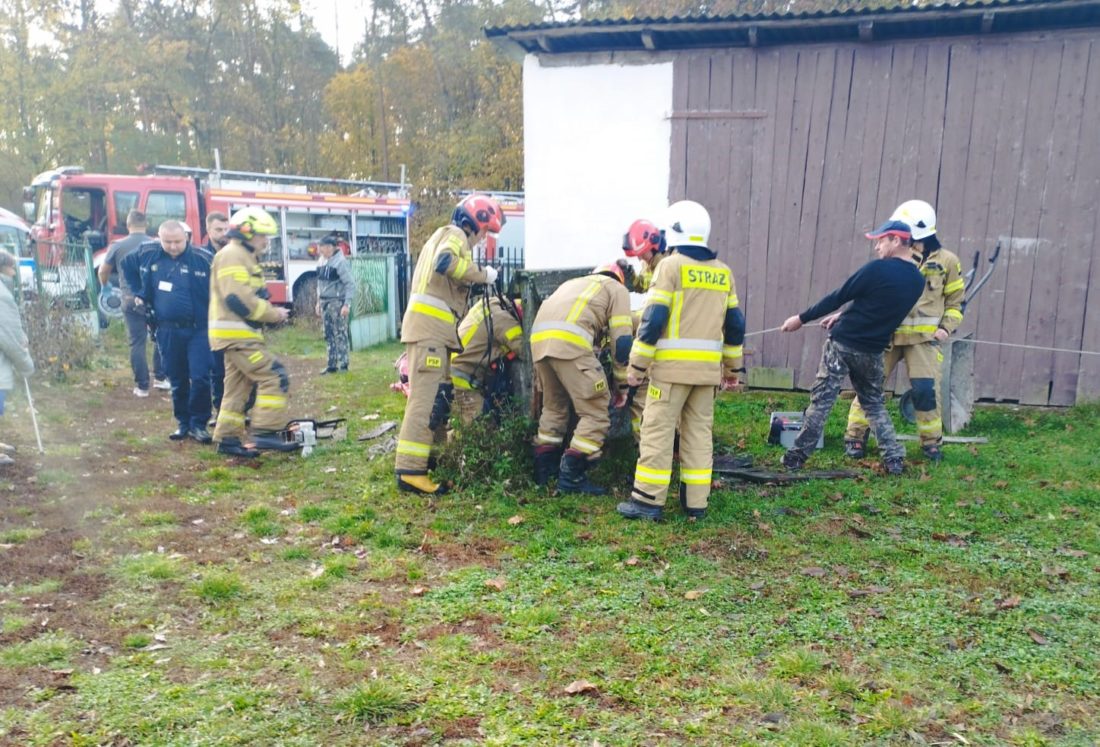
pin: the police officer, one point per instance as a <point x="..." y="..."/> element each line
<point x="917" y="341"/>
<point x="172" y="282"/>
<point x="690" y="340"/>
<point x="566" y="327"/>
<point x="335" y="295"/>
<point x="444" y="272"/>
<point x="238" y="310"/>
<point x="489" y="334"/>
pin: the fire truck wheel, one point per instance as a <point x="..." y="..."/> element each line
<point x="305" y="296"/>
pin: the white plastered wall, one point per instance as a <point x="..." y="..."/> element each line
<point x="596" y="156"/>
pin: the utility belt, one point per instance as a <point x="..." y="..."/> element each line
<point x="177" y="325"/>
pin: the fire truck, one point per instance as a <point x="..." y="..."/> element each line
<point x="67" y="206"/>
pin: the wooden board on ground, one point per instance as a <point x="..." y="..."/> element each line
<point x="763" y="476"/>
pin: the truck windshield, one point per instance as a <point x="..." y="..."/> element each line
<point x="42" y="197"/>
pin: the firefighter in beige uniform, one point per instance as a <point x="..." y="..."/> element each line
<point x="567" y="326"/>
<point x="471" y="368"/>
<point x="444" y="272"/>
<point x="690" y="341"/>
<point x="238" y="310"/>
<point x="937" y="314"/>
<point x="645" y="242"/>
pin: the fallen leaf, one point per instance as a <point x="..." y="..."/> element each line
<point x="1069" y="553"/>
<point x="1037" y="637"/>
<point x="695" y="594"/>
<point x="960" y="737"/>
<point x="632" y="560"/>
<point x="515" y="520"/>
<point x="1056" y="570"/>
<point x="1009" y="603"/>
<point x="418" y="591"/>
<point x="1001" y="668"/>
<point x="814" y="571"/>
<point x="496" y="583"/>
<point x="764" y="527"/>
<point x="1001" y="484"/>
<point x="581" y="687"/>
<point x="757" y="586"/>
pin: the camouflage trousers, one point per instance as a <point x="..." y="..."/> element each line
<point x="866" y="372"/>
<point x="336" y="332"/>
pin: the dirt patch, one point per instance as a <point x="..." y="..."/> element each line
<point x="482" y="551"/>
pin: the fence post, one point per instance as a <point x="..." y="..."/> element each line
<point x="92" y="282"/>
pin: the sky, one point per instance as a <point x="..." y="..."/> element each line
<point x="340" y="22"/>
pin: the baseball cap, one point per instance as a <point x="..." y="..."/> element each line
<point x="891" y="228"/>
<point x="330" y="240"/>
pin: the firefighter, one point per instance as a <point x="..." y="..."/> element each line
<point x="645" y="242"/>
<point x="444" y="272"/>
<point x="566" y="328"/>
<point x="238" y="310"/>
<point x="690" y="341"/>
<point x="489" y="334"/>
<point x="917" y="341"/>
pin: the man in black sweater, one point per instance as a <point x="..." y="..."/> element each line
<point x="882" y="292"/>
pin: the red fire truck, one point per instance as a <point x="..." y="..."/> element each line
<point x="66" y="205"/>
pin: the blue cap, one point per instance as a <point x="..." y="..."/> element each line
<point x="891" y="228"/>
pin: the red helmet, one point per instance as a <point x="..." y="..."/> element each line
<point x="612" y="270"/>
<point x="641" y="237"/>
<point x="478" y="212"/>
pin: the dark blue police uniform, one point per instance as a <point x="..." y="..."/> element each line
<point x="178" y="292"/>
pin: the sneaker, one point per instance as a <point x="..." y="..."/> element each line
<point x="162" y="384"/>
<point x="933" y="453"/>
<point x="895" y="466"/>
<point x="139" y="392"/>
<point x="178" y="435"/>
<point x="326" y="371"/>
<point x="793" y="461"/>
<point x="201" y="435"/>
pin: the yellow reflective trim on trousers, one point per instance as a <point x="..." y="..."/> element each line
<point x="557" y="334"/>
<point x="460" y="382"/>
<point x="270" y="400"/>
<point x="623" y="320"/>
<point x="916" y="329"/>
<point x="952" y="314"/>
<point x="854" y="419"/>
<point x="548" y="438"/>
<point x="706" y="356"/>
<point x="644" y="350"/>
<point x="256" y="357"/>
<point x="732" y="302"/>
<point x="929" y="426"/>
<point x="582" y="301"/>
<point x="662" y="297"/>
<point x="513" y="333"/>
<point x="695" y="476"/>
<point x="412" y="448"/>
<point x="425" y="309"/>
<point x="230" y="416"/>
<point x="583" y="444"/>
<point x="733" y="351"/>
<point x="955" y="285"/>
<point x="652" y="476"/>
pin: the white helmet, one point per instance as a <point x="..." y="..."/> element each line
<point x="919" y="215"/>
<point x="686" y="223"/>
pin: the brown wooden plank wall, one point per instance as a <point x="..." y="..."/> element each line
<point x="998" y="133"/>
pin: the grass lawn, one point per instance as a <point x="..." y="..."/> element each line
<point x="151" y="594"/>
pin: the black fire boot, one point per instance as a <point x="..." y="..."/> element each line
<point x="633" y="509"/>
<point x="894" y="465"/>
<point x="856" y="448"/>
<point x="571" y="478"/>
<point x="232" y="446"/>
<point x="793" y="460"/>
<point x="274" y="441"/>
<point x="932" y="453"/>
<point x="546" y="463"/>
<point x="691" y="513"/>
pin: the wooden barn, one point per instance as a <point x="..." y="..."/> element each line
<point x="800" y="132"/>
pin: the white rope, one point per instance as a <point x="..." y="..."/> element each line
<point x="976" y="342"/>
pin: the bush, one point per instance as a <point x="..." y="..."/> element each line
<point x="486" y="452"/>
<point x="61" y="338"/>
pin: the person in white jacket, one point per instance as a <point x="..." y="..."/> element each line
<point x="15" y="356"/>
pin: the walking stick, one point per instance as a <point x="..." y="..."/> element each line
<point x="34" y="417"/>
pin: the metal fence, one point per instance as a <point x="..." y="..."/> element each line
<point x="64" y="271"/>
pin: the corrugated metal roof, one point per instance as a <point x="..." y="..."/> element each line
<point x="867" y="24"/>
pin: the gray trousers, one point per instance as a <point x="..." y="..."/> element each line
<point x="138" y="333"/>
<point x="866" y="372"/>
